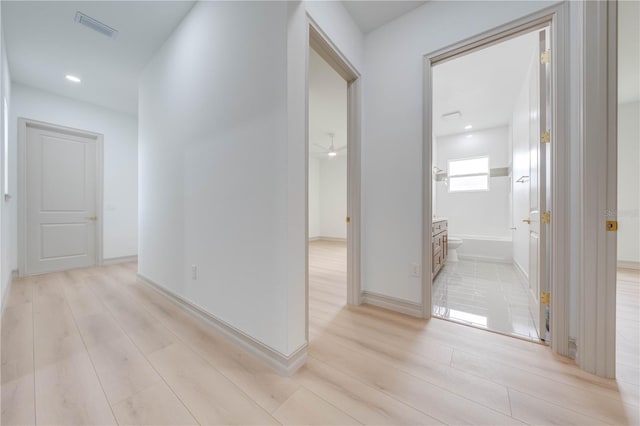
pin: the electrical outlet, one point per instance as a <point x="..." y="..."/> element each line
<point x="414" y="269"/>
<point x="194" y="272"/>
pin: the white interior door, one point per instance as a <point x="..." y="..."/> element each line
<point x="538" y="188"/>
<point x="61" y="230"/>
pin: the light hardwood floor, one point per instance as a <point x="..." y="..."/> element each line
<point x="93" y="346"/>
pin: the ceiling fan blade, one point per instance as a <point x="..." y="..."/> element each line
<point x="342" y="148"/>
<point x="324" y="148"/>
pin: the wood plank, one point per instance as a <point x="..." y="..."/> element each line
<point x="305" y="407"/>
<point x="68" y="393"/>
<point x="207" y="394"/>
<point x="364" y="403"/>
<point x="18" y="401"/>
<point x="421" y="395"/>
<point x="122" y="369"/>
<point x="17" y="342"/>
<point x="156" y="405"/>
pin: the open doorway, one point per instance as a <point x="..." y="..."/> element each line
<point x="491" y="186"/>
<point x="327" y="183"/>
<point x="628" y="212"/>
<point x="333" y="181"/>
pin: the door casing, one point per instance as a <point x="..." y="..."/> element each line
<point x="23" y="124"/>
<point x="556" y="17"/>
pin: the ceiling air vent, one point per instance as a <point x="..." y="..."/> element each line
<point x="95" y="25"/>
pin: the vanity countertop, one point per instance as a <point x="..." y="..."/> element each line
<point x="438" y="219"/>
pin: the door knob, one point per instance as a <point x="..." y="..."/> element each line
<point x="527" y="221"/>
<point x="92" y="218"/>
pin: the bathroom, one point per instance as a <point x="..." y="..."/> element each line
<point x="485" y="112"/>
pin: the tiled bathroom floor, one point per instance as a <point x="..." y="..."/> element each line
<point x="485" y="294"/>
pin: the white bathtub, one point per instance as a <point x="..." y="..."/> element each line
<point x="487" y="248"/>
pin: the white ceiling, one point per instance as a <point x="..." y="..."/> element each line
<point x="369" y="15"/>
<point x="327" y="107"/>
<point x="44" y="43"/>
<point x="628" y="51"/>
<point x="482" y="85"/>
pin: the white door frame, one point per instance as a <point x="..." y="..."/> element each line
<point x="597" y="23"/>
<point x="23" y="124"/>
<point x="557" y="18"/>
<point x="323" y="45"/>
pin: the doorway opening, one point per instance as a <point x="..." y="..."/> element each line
<point x="327" y="183"/>
<point x="491" y="185"/>
<point x="333" y="181"/>
<point x="61" y="182"/>
<point x="628" y="197"/>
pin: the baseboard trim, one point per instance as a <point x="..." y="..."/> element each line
<point x="523" y="274"/>
<point x="12" y="276"/>
<point x="628" y="264"/>
<point x="484" y="258"/>
<point x="392" y="303"/>
<point x="282" y="364"/>
<point x="337" y="239"/>
<point x="121" y="259"/>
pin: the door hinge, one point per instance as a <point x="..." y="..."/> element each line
<point x="546" y="137"/>
<point x="545" y="217"/>
<point x="545" y="298"/>
<point x="348" y="219"/>
<point x="545" y="57"/>
<point x="612" y="225"/>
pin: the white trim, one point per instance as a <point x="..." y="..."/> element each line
<point x="521" y="272"/>
<point x="6" y="293"/>
<point x="23" y="123"/>
<point x="557" y="17"/>
<point x="337" y="239"/>
<point x="392" y="303"/>
<point x="285" y="365"/>
<point x="628" y="264"/>
<point x="597" y="293"/>
<point x="483" y="258"/>
<point x="323" y="45"/>
<point x="120" y="259"/>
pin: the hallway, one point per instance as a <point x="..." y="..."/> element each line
<point x="94" y="346"/>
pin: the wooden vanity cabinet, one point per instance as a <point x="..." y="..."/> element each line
<point x="439" y="246"/>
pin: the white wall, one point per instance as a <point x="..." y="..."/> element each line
<point x="391" y="178"/>
<point x="213" y="167"/>
<point x="314" y="197"/>
<point x="328" y="197"/>
<point x="628" y="178"/>
<point x="520" y="127"/>
<point x="120" y="159"/>
<point x="480" y="213"/>
<point x="6" y="218"/>
<point x="333" y="197"/>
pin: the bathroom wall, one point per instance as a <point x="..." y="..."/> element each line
<point x="484" y="213"/>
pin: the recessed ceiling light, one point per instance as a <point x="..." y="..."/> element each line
<point x="468" y="126"/>
<point x="469" y="136"/>
<point x="72" y="78"/>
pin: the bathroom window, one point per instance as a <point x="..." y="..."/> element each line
<point x="469" y="174"/>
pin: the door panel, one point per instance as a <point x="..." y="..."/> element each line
<point x="63" y="175"/>
<point x="64" y="239"/>
<point x="61" y="201"/>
